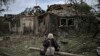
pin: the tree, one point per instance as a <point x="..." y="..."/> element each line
<point x="4" y="4"/>
<point x="79" y="5"/>
<point x="4" y="28"/>
<point x="98" y="6"/>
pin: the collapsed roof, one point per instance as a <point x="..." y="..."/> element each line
<point x="59" y="7"/>
<point x="65" y="10"/>
<point x="32" y="11"/>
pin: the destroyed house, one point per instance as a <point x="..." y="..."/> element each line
<point x="69" y="19"/>
<point x="24" y="23"/>
<point x="13" y="22"/>
<point x="20" y="23"/>
<point x="57" y="18"/>
<point x="46" y="23"/>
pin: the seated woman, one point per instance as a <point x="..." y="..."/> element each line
<point x="50" y="45"/>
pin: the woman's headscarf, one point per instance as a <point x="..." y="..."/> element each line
<point x="50" y="36"/>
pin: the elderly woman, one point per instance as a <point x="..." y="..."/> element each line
<point x="50" y="45"/>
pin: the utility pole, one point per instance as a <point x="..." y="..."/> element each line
<point x="65" y="1"/>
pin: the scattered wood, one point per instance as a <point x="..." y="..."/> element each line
<point x="64" y="42"/>
<point x="98" y="18"/>
<point x="58" y="53"/>
<point x="6" y="38"/>
<point x="1" y="39"/>
<point x="98" y="50"/>
<point x="4" y="54"/>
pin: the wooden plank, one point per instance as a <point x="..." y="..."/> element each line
<point x="58" y="53"/>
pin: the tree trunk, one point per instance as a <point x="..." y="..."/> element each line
<point x="57" y="53"/>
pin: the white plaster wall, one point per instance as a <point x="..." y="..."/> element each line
<point x="27" y="22"/>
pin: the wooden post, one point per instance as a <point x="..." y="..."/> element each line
<point x="57" y="53"/>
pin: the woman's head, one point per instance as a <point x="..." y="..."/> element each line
<point x="50" y="36"/>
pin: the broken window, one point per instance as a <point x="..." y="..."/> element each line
<point x="63" y="22"/>
<point x="70" y="22"/>
<point x="18" y="23"/>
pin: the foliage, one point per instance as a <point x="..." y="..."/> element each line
<point x="84" y="7"/>
<point x="3" y="26"/>
<point x="81" y="6"/>
<point x="5" y="3"/>
<point x="98" y="2"/>
<point x="98" y="5"/>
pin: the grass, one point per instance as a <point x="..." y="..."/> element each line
<point x="79" y="44"/>
<point x="19" y="46"/>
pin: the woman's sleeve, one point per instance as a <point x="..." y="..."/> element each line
<point x="45" y="43"/>
<point x="56" y="44"/>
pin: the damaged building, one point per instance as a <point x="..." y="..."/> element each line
<point x="23" y="23"/>
<point x="20" y="24"/>
<point x="57" y="18"/>
<point x="61" y="18"/>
